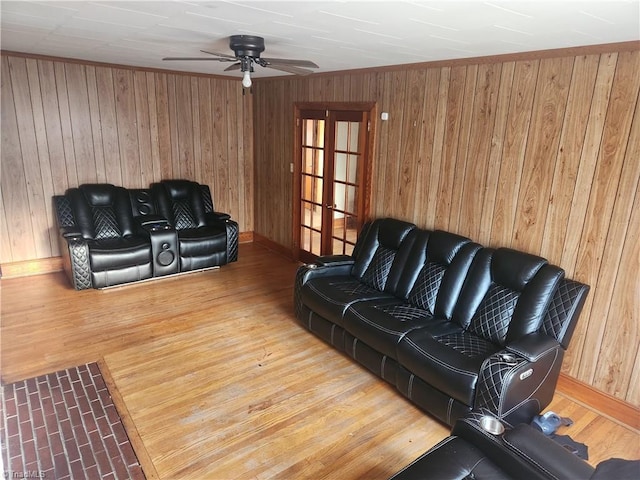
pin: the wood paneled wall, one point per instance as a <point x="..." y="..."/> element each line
<point x="538" y="153"/>
<point x="66" y="123"/>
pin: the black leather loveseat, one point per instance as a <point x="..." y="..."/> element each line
<point x="110" y="235"/>
<point x="454" y="326"/>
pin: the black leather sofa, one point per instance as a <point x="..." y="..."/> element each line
<point x="454" y="326"/>
<point x="110" y="235"/>
<point x="518" y="453"/>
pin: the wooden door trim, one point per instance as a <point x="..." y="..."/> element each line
<point x="369" y="109"/>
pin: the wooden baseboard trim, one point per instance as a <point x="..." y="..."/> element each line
<point x="602" y="402"/>
<point x="27" y="268"/>
<point x="245" y="237"/>
<point x="132" y="432"/>
<point x="273" y="246"/>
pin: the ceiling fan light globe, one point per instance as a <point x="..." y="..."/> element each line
<point x="246" y="79"/>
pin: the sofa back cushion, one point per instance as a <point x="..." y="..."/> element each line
<point x="101" y="211"/>
<point x="506" y="294"/>
<point x="180" y="202"/>
<point x="382" y="253"/>
<point x="438" y="265"/>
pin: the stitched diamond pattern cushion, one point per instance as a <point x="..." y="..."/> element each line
<point x="491" y="321"/>
<point x="424" y="292"/>
<point x="104" y="220"/>
<point x="556" y="318"/>
<point x="183" y="216"/>
<point x="467" y="344"/>
<point x="404" y="313"/>
<point x="378" y="271"/>
<point x="352" y="287"/>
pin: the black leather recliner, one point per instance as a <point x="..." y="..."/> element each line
<point x="111" y="235"/>
<point x="205" y="238"/>
<point x="102" y="245"/>
<point x="454" y="326"/>
<point x="473" y="453"/>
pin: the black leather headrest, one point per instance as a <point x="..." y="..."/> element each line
<point x="178" y="189"/>
<point x="98" y="194"/>
<point x="514" y="269"/>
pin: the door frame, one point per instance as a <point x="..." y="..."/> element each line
<point x="371" y="109"/>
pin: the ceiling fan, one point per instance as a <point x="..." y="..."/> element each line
<point x="247" y="49"/>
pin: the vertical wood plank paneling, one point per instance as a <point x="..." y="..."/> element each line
<point x="409" y="156"/>
<point x="428" y="168"/>
<point x="455" y="223"/>
<point x="184" y="120"/>
<point x="453" y="121"/>
<point x="585" y="70"/>
<point x="220" y="181"/>
<point x="542" y="146"/>
<point x="80" y="123"/>
<point x="233" y="143"/>
<point x="38" y="225"/>
<point x="127" y="130"/>
<point x="142" y="127"/>
<point x="495" y="153"/>
<point x="165" y="147"/>
<point x="110" y="138"/>
<point x="524" y="155"/>
<point x="430" y="193"/>
<point x="44" y="163"/>
<point x="473" y="191"/>
<point x="602" y="201"/>
<point x="513" y="153"/>
<point x="65" y="123"/>
<point x="156" y="164"/>
<point x="621" y="285"/>
<point x="51" y="109"/>
<point x="96" y="124"/>
<point x="21" y="243"/>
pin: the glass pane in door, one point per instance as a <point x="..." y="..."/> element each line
<point x="345" y="179"/>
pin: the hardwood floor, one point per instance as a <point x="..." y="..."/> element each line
<point x="218" y="380"/>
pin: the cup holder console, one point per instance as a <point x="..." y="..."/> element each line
<point x="164" y="245"/>
<point x="491" y="425"/>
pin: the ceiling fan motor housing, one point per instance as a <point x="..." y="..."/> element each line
<point x="246" y="45"/>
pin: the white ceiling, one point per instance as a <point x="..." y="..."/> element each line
<point x="337" y="35"/>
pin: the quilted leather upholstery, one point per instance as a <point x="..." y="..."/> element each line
<point x="470" y="452"/>
<point x="443" y="318"/>
<point x="204" y="240"/>
<point x="107" y="234"/>
<point x="100" y="242"/>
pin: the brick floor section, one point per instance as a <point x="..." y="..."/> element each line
<point x="64" y="425"/>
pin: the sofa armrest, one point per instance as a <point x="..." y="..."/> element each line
<point x="70" y="232"/>
<point x="545" y="454"/>
<point x="309" y="271"/>
<point x="522" y="451"/>
<point x="516" y="383"/>
<point x="334" y="260"/>
<point x="533" y="346"/>
<point x="217" y="217"/>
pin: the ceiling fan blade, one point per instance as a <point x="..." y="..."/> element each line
<point x="235" y="66"/>
<point x="290" y="69"/>
<point x="197" y="58"/>
<point x="223" y="55"/>
<point x="289" y="61"/>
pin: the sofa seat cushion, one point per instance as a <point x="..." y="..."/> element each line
<point x="114" y="253"/>
<point x="381" y="325"/>
<point x="446" y="357"/>
<point x="201" y="241"/>
<point x="329" y="297"/>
